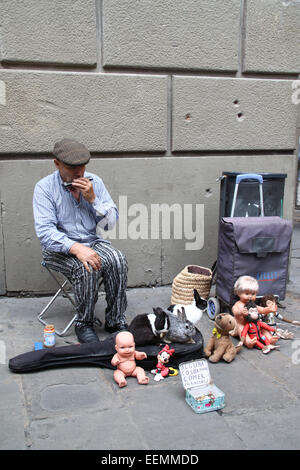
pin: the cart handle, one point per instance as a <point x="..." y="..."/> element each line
<point x="242" y="177"/>
<point x="252" y="176"/>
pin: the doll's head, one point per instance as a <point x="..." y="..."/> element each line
<point x="165" y="354"/>
<point x="246" y="288"/>
<point x="125" y="345"/>
<point x="268" y="300"/>
<point x="253" y="314"/>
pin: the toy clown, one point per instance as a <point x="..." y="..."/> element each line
<point x="162" y="370"/>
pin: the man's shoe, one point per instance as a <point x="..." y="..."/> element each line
<point x="85" y="333"/>
<point x="117" y="327"/>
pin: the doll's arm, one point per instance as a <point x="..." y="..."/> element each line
<point x="293" y="322"/>
<point x="268" y="309"/>
<point x="140" y="355"/>
<point x="267" y="327"/>
<point x="115" y="360"/>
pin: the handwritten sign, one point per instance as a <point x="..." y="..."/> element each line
<point x="194" y="373"/>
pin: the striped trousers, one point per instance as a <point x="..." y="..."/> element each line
<point x="86" y="284"/>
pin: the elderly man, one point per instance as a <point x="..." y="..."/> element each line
<point x="68" y="206"/>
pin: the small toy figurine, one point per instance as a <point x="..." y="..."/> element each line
<point x="124" y="360"/>
<point x="270" y="318"/>
<point x="255" y="327"/>
<point x="161" y="370"/>
<point x="220" y="345"/>
<point x="246" y="288"/>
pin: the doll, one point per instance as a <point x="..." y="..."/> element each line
<point x="246" y="288"/>
<point x="124" y="360"/>
<point x="161" y="370"/>
<point x="270" y="318"/>
<point x="254" y="327"/>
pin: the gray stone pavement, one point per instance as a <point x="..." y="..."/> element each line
<point x="82" y="407"/>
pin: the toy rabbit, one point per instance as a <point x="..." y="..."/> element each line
<point x="181" y="330"/>
<point x="124" y="360"/>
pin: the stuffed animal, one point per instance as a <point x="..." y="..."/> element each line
<point x="181" y="330"/>
<point x="149" y="328"/>
<point x="193" y="311"/>
<point x="220" y="345"/>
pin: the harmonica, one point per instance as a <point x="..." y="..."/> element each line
<point x="67" y="185"/>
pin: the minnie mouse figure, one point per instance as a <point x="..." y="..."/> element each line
<point x="161" y="370"/>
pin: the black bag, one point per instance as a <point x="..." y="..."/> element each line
<point x="100" y="354"/>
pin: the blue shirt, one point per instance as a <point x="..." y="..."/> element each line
<point x="60" y="220"/>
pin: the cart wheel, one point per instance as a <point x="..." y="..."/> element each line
<point x="213" y="307"/>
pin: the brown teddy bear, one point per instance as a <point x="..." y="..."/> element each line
<point x="220" y="345"/>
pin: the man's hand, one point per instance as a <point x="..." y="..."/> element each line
<point x="85" y="186"/>
<point x="86" y="255"/>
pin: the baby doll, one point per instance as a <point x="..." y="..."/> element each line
<point x="270" y="318"/>
<point x="246" y="288"/>
<point x="124" y="360"/>
<point x="254" y="327"/>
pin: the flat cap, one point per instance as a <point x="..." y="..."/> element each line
<point x="71" y="152"/>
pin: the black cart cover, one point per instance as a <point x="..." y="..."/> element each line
<point x="257" y="247"/>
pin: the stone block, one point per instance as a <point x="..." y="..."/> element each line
<point x="272" y="36"/>
<point x="108" y="113"/>
<point x="232" y="114"/>
<point x="56" y="32"/>
<point x="198" y="35"/>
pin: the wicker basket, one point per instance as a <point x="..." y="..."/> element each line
<point x="190" y="278"/>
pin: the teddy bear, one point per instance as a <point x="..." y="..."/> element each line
<point x="220" y="345"/>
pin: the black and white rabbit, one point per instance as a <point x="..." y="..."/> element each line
<point x="181" y="330"/>
<point x="148" y="328"/>
<point x="194" y="311"/>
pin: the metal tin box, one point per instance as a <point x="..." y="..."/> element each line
<point x="201" y="393"/>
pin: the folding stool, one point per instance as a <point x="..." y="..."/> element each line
<point x="65" y="294"/>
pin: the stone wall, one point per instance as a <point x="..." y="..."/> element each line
<point x="166" y="95"/>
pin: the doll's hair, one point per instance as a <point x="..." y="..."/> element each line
<point x="244" y="283"/>
<point x="265" y="299"/>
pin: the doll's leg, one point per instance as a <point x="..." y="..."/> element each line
<point x="119" y="377"/>
<point x="272" y="338"/>
<point x="249" y="343"/>
<point x="139" y="373"/>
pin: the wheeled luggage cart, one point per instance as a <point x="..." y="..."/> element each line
<point x="254" y="246"/>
